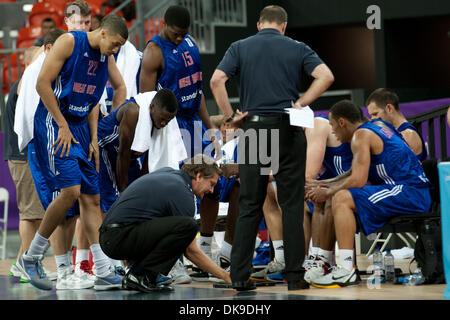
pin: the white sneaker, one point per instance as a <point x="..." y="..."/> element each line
<point x="14" y="271"/>
<point x="308" y="263"/>
<point x="317" y="270"/>
<point x="179" y="274"/>
<point x="272" y="268"/>
<point x="339" y="277"/>
<point x="53" y="276"/>
<point x="80" y="273"/>
<point x="68" y="280"/>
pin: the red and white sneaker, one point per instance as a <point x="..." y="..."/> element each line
<point x="84" y="271"/>
<point x="317" y="270"/>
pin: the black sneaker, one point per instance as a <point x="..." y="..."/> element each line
<point x="143" y="283"/>
<point x="201" y="276"/>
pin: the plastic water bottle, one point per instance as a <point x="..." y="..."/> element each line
<point x="378" y="261"/>
<point x="416" y="278"/>
<point x="389" y="267"/>
<point x="224" y="158"/>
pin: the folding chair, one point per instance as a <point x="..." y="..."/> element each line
<point x="4" y="197"/>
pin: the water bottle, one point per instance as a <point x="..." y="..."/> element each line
<point x="389" y="267"/>
<point x="378" y="261"/>
<point x="416" y="278"/>
<point x="224" y="158"/>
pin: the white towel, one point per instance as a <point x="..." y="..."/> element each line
<point x="166" y="147"/>
<point x="27" y="103"/>
<point x="128" y="62"/>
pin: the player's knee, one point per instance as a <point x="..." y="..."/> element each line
<point x="342" y="198"/>
<point x="71" y="194"/>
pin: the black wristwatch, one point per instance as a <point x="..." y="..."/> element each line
<point x="231" y="117"/>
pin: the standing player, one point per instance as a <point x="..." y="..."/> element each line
<point x="172" y="60"/>
<point x="70" y="84"/>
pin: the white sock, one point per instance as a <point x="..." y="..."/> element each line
<point x="101" y="260"/>
<point x="62" y="263"/>
<point x="346" y="258"/>
<point x="204" y="244"/>
<point x="326" y="255"/>
<point x="314" y="251"/>
<point x="279" y="250"/>
<point x="37" y="246"/>
<point x="226" y="249"/>
<point x="116" y="263"/>
<point x="82" y="254"/>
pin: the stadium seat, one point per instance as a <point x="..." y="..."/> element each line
<point x="27" y="36"/>
<point x="14" y="63"/>
<point x="153" y="27"/>
<point x="46" y="9"/>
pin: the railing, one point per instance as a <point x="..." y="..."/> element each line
<point x="433" y="126"/>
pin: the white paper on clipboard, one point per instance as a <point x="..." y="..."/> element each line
<point x="301" y="118"/>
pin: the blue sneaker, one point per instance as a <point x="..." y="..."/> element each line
<point x="162" y="280"/>
<point x="275" y="277"/>
<point x="263" y="254"/>
<point x="32" y="270"/>
<point x="112" y="281"/>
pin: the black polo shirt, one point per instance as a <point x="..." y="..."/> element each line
<point x="164" y="192"/>
<point x="269" y="66"/>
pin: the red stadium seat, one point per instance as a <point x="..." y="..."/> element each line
<point x="14" y="60"/>
<point x="153" y="27"/>
<point x="46" y="9"/>
<point x="27" y="35"/>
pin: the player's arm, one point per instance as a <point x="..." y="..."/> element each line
<point x="152" y="63"/>
<point x="92" y="120"/>
<point x="361" y="145"/>
<point x="117" y="83"/>
<point x="126" y="135"/>
<point x="413" y="140"/>
<point x="53" y="63"/>
<point x="317" y="143"/>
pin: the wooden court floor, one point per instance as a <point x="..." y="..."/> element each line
<point x="12" y="289"/>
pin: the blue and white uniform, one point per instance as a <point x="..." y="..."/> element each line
<point x="108" y="142"/>
<point x="398" y="182"/>
<point x="78" y="88"/>
<point x="406" y="125"/>
<point x="336" y="161"/>
<point x="182" y="74"/>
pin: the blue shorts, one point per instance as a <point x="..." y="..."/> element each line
<point x="62" y="172"/>
<point x="46" y="195"/>
<point x="377" y="204"/>
<point x="108" y="187"/>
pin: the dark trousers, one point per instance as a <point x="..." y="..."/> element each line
<point x="290" y="180"/>
<point x="152" y="246"/>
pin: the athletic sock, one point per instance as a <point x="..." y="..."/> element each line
<point x="101" y="260"/>
<point x="204" y="243"/>
<point x="62" y="263"/>
<point x="279" y="250"/>
<point x="38" y="245"/>
<point x="326" y="255"/>
<point x="226" y="249"/>
<point x="82" y="254"/>
<point x="346" y="258"/>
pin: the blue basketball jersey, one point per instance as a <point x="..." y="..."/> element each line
<point x="406" y="125"/>
<point x="396" y="164"/>
<point x="182" y="73"/>
<point x="81" y="81"/>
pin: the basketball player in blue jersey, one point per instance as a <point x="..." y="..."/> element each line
<point x="383" y="104"/>
<point x="119" y="165"/>
<point x="398" y="185"/>
<point x="172" y="60"/>
<point x="71" y="81"/>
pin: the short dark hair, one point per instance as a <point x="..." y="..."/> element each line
<point x="98" y="16"/>
<point x="48" y="19"/>
<point x="383" y="96"/>
<point x="273" y="13"/>
<point x="347" y="110"/>
<point x="177" y="16"/>
<point x="77" y="7"/>
<point x="52" y="35"/>
<point x="166" y="100"/>
<point x="115" y="24"/>
<point x="201" y="164"/>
